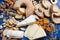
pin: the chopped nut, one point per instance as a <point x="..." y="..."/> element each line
<point x="52" y="27"/>
<point x="18" y="16"/>
<point x="22" y="10"/>
<point x="15" y="28"/>
<point x="3" y="6"/>
<point x="13" y="1"/>
<point x="11" y="6"/>
<point x="4" y="20"/>
<point x="23" y="29"/>
<point x="12" y="20"/>
<point x="12" y="14"/>
<point x="1" y="31"/>
<point x="7" y="4"/>
<point x="1" y="10"/>
<point x="48" y="29"/>
<point x="35" y="3"/>
<point x="9" y="28"/>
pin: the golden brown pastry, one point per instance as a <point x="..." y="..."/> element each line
<point x="27" y="3"/>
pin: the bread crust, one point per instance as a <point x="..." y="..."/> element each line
<point x="29" y="6"/>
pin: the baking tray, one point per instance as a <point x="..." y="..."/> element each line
<point x="54" y="34"/>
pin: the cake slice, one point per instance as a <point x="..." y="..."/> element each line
<point x="34" y="31"/>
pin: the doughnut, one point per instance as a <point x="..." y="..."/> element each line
<point x="18" y="16"/>
<point x="34" y="3"/>
<point x="21" y="11"/>
<point x="27" y="3"/>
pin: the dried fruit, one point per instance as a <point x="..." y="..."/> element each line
<point x="46" y="21"/>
